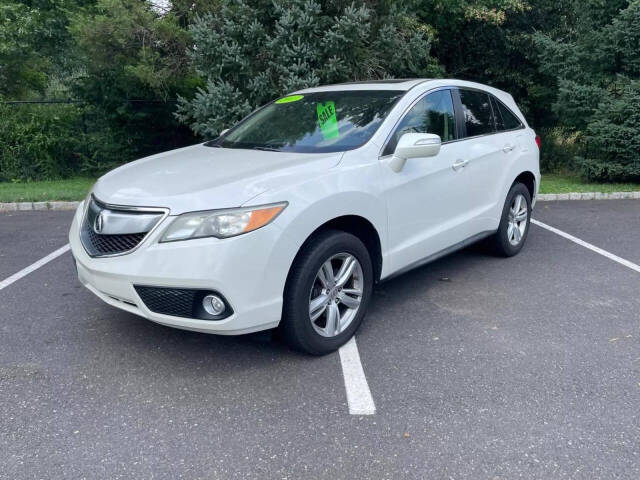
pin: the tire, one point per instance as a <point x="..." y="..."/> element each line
<point x="309" y="281"/>
<point x="511" y="236"/>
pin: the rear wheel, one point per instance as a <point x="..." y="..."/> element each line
<point x="514" y="224"/>
<point x="327" y="292"/>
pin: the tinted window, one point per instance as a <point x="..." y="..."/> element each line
<point x="313" y="122"/>
<point x="505" y="119"/>
<point x="478" y="117"/>
<point x="432" y="114"/>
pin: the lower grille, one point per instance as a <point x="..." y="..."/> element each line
<point x="168" y="301"/>
<point x="179" y="302"/>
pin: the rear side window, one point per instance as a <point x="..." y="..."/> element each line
<point x="476" y="107"/>
<point x="505" y="118"/>
<point x="432" y="114"/>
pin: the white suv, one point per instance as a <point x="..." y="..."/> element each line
<point x="289" y="218"/>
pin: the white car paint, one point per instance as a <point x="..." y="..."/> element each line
<point x="426" y="208"/>
<point x="197" y="177"/>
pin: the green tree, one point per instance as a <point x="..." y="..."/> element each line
<point x="134" y="64"/>
<point x="129" y="50"/>
<point x="35" y="44"/>
<point x="597" y="68"/>
<point x="492" y="41"/>
<point x="252" y="52"/>
<point x="612" y="137"/>
<point x="22" y="67"/>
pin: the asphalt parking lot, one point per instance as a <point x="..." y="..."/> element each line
<point x="479" y="367"/>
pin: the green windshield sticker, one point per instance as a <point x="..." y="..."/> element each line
<point x="328" y="120"/>
<point x="290" y="98"/>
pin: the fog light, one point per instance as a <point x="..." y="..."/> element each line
<point x="213" y="305"/>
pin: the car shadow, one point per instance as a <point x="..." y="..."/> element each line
<point x="445" y="269"/>
<point x="126" y="334"/>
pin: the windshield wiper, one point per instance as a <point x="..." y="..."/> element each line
<point x="266" y="149"/>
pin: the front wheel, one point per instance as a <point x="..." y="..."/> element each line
<point x="327" y="292"/>
<point x="514" y="224"/>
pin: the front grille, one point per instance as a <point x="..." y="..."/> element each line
<point x="111" y="244"/>
<point x="179" y="302"/>
<point x="108" y="230"/>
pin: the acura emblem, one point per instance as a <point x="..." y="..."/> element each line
<point x="98" y="223"/>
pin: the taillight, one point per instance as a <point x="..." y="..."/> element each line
<point x="538" y="141"/>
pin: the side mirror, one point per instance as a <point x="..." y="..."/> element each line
<point x="223" y="132"/>
<point x="415" y="145"/>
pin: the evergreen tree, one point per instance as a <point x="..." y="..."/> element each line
<point x="612" y="139"/>
<point x="253" y="51"/>
<point x="598" y="68"/>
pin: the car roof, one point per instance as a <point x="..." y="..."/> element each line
<point x="406" y="84"/>
<point x="388" y="84"/>
<point x="402" y="84"/>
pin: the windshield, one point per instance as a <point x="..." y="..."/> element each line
<point x="313" y="123"/>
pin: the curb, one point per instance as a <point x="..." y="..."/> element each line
<point x="548" y="197"/>
<point x="542" y="197"/>
<point x="24" y="206"/>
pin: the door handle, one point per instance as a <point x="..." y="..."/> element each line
<point x="458" y="164"/>
<point x="507" y="148"/>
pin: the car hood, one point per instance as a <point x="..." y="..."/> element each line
<point x="202" y="178"/>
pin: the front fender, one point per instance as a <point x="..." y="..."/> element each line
<point x="302" y="217"/>
<point x="351" y="189"/>
<point x="312" y="216"/>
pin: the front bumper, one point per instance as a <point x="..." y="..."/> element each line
<point x="248" y="270"/>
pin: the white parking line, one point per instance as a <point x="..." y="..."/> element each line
<point x="34" y="266"/>
<point x="591" y="247"/>
<point x="355" y="383"/>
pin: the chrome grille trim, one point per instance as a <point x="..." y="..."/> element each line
<point x="115" y="244"/>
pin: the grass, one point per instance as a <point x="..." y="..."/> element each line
<point x="71" y="189"/>
<point x="77" y="188"/>
<point x="564" y="183"/>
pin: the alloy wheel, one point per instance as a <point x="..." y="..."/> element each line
<point x="518" y="215"/>
<point x="336" y="294"/>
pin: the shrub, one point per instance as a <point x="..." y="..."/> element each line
<point x="52" y="141"/>
<point x="38" y="143"/>
<point x="558" y="149"/>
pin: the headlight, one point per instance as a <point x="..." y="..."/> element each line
<point x="221" y="223"/>
<point x="87" y="199"/>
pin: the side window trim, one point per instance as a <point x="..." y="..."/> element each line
<point x="408" y="109"/>
<point x="459" y="114"/>
<point x="496" y="113"/>
<point x="494" y="118"/>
